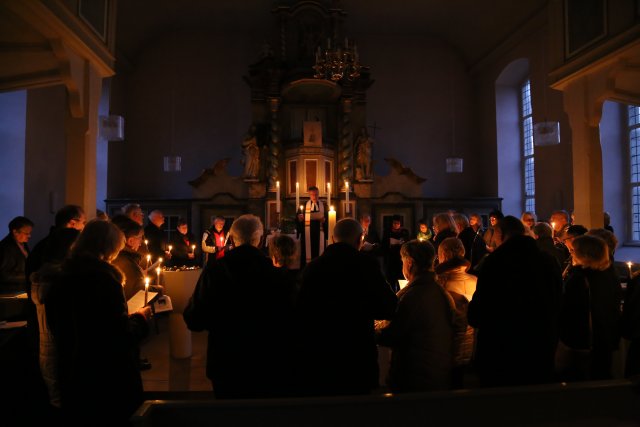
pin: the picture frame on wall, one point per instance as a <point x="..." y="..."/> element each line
<point x="94" y="13"/>
<point x="585" y="23"/>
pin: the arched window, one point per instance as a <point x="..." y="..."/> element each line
<point x="514" y="126"/>
<point x="633" y="123"/>
<point x="526" y="139"/>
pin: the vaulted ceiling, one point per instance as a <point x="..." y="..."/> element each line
<point x="472" y="27"/>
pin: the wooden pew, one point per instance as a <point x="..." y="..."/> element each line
<point x="603" y="403"/>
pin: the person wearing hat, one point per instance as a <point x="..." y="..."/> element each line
<point x="392" y="241"/>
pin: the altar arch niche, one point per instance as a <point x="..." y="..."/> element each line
<point x="311" y="123"/>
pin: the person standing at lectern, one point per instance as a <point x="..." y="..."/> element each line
<point x="313" y="240"/>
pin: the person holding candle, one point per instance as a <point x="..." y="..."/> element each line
<point x="392" y="239"/>
<point x="156" y="236"/>
<point x="370" y="238"/>
<point x="560" y="222"/>
<point x="128" y="259"/>
<point x="96" y="340"/>
<point x="215" y="240"/>
<point x="313" y="239"/>
<point x="182" y="252"/>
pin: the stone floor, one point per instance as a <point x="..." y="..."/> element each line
<point x="167" y="373"/>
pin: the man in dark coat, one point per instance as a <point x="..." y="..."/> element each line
<point x="245" y="303"/>
<point x="157" y="238"/>
<point x="515" y="309"/>
<point x="342" y="293"/>
<point x="392" y="240"/>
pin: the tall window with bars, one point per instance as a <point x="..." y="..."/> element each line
<point x="634" y="175"/>
<point x="528" y="169"/>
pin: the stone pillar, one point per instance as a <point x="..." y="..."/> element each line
<point x="585" y="112"/>
<point x="84" y="88"/>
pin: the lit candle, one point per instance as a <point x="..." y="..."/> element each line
<point x="221" y="241"/>
<point x="146" y="242"/>
<point x="158" y="270"/>
<point x="301" y="208"/>
<point x="277" y="196"/>
<point x="170" y="248"/>
<point x="148" y="260"/>
<point x="193" y="249"/>
<point x="629" y="265"/>
<point x="160" y="262"/>
<point x="328" y="193"/>
<point x="346" y="188"/>
<point x="297" y="193"/>
<point x="146" y="290"/>
<point x="332" y="223"/>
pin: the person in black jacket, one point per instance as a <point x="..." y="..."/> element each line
<point x="14" y="251"/>
<point x="342" y="293"/>
<point x="392" y="240"/>
<point x="96" y="340"/>
<point x="245" y="304"/>
<point x="515" y="310"/>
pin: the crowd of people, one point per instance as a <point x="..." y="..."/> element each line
<point x="521" y="302"/>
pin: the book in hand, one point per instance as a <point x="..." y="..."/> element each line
<point x="137" y="301"/>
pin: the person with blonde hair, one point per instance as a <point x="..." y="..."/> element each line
<point x="443" y="226"/>
<point x="590" y="313"/>
<point x="452" y="269"/>
<point x="95" y="340"/>
<point x="451" y="274"/>
<point x="529" y="219"/>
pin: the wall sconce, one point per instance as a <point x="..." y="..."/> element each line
<point x="454" y="164"/>
<point x="112" y="128"/>
<point x="172" y="163"/>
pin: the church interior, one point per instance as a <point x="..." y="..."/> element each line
<point x="108" y="102"/>
<point x="202" y="108"/>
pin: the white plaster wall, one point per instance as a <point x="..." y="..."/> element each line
<point x="45" y="162"/>
<point x="13" y="106"/>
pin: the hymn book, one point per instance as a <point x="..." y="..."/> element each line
<point x="137" y="301"/>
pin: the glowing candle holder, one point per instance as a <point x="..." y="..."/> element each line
<point x="146" y="290"/>
<point x="332" y="223"/>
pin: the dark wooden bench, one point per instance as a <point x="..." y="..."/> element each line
<point x="609" y="403"/>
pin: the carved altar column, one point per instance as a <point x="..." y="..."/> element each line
<point x="274" y="146"/>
